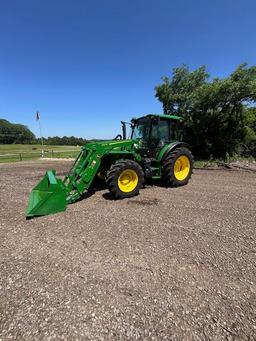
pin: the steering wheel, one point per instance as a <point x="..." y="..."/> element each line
<point x="118" y="137"/>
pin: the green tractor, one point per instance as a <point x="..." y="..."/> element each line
<point x="153" y="150"/>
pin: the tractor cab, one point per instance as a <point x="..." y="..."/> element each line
<point x="155" y="131"/>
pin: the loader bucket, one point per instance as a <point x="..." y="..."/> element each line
<point x="47" y="197"/>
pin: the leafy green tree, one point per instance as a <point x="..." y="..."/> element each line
<point x="18" y="133"/>
<point x="214" y="111"/>
<point x="249" y="147"/>
<point x="65" y="141"/>
<point x="15" y="133"/>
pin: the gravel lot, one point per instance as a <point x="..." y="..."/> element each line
<point x="169" y="264"/>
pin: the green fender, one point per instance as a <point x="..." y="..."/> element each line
<point x="168" y="148"/>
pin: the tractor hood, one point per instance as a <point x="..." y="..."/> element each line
<point x="113" y="144"/>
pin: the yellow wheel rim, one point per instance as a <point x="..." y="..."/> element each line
<point x="181" y="168"/>
<point x="128" y="180"/>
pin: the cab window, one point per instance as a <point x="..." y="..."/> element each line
<point x="161" y="132"/>
<point x="141" y="129"/>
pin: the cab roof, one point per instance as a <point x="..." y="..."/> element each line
<point x="168" y="117"/>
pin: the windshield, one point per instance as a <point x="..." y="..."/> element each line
<point x="156" y="133"/>
<point x="141" y="129"/>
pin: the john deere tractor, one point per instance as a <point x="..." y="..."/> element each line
<point x="153" y="150"/>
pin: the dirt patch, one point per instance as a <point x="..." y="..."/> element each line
<point x="146" y="202"/>
<point x="169" y="264"/>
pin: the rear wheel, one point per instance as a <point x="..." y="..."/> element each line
<point x="177" y="167"/>
<point x="124" y="179"/>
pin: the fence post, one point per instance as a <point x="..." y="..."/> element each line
<point x="20" y="157"/>
<point x="52" y="152"/>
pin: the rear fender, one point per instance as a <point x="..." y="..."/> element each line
<point x="169" y="148"/>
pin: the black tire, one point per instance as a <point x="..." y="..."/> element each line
<point x="169" y="178"/>
<point x="113" y="176"/>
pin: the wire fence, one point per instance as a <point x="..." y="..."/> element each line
<point x="30" y="155"/>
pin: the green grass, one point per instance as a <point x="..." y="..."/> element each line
<point x="24" y="152"/>
<point x="26" y="148"/>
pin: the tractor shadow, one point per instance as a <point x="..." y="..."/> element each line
<point x="133" y="201"/>
<point x="95" y="187"/>
<point x="99" y="185"/>
<point x="144" y="202"/>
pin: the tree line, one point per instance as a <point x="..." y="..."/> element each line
<point x="11" y="133"/>
<point x="219" y="115"/>
<point x="15" y="133"/>
<point x="64" y="141"/>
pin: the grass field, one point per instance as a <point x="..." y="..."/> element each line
<point x="21" y="152"/>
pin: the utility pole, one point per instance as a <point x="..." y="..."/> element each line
<point x="41" y="136"/>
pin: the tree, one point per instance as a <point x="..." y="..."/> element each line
<point x="18" y="133"/>
<point x="214" y="112"/>
<point x="65" y="141"/>
<point x="15" y="133"/>
<point x="249" y="147"/>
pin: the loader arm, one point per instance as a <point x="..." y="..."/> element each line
<point x="87" y="165"/>
<point x="52" y="195"/>
<point x="82" y="173"/>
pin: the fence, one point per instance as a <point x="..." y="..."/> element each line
<point x="23" y="156"/>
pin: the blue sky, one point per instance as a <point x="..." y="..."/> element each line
<point x="85" y="65"/>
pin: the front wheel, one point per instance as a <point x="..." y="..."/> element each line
<point x="124" y="179"/>
<point x="177" y="167"/>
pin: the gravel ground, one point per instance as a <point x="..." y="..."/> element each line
<point x="169" y="264"/>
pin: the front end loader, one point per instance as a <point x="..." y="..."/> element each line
<point x="153" y="151"/>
